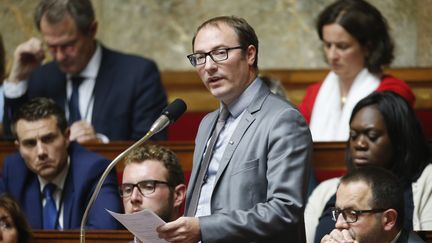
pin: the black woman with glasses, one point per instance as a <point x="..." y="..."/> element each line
<point x="153" y="179"/>
<point x="370" y="208"/>
<point x="384" y="132"/>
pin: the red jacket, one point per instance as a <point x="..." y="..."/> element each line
<point x="388" y="83"/>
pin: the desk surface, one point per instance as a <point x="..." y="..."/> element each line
<point x="93" y="236"/>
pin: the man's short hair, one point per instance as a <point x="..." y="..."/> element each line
<point x="39" y="108"/>
<point x="163" y="155"/>
<point x="245" y="33"/>
<point x="387" y="191"/>
<point x="81" y="11"/>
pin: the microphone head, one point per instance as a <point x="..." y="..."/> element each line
<point x="174" y="110"/>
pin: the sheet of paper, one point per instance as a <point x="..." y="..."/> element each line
<point x="142" y="224"/>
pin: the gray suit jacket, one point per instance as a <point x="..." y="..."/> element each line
<point x="260" y="188"/>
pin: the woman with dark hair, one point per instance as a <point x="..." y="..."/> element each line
<point x="384" y="132"/>
<point x="13" y="225"/>
<point x="357" y="45"/>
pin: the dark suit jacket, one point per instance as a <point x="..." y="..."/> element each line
<point x="260" y="188"/>
<point x="409" y="237"/>
<point x="85" y="169"/>
<point x="128" y="95"/>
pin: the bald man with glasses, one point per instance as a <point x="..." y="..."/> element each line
<point x="370" y="208"/>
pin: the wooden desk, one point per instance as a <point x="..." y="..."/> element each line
<point x="110" y="236"/>
<point x="328" y="158"/>
<point x="91" y="236"/>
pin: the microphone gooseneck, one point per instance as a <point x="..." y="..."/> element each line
<point x="170" y="114"/>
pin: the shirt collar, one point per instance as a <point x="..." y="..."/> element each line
<point x="243" y="101"/>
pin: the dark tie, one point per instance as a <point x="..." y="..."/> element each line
<point x="206" y="161"/>
<point x="49" y="210"/>
<point x="74" y="113"/>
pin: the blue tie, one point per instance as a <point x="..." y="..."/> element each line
<point x="74" y="113"/>
<point x="49" y="210"/>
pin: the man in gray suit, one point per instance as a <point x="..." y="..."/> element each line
<point x="248" y="181"/>
<point x="370" y="208"/>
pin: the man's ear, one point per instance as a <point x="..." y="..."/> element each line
<point x="389" y="219"/>
<point x="251" y="54"/>
<point x="93" y="29"/>
<point x="179" y="194"/>
<point x="66" y="134"/>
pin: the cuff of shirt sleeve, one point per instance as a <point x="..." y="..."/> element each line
<point x="14" y="90"/>
<point x="103" y="138"/>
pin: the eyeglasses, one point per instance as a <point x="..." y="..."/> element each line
<point x="146" y="187"/>
<point x="217" y="55"/>
<point x="351" y="215"/>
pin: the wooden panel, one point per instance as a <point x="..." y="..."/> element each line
<point x="326" y="157"/>
<point x="188" y="86"/>
<point x="113" y="236"/>
<point x="91" y="236"/>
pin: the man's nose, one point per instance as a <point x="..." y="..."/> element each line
<point x="341" y="223"/>
<point x="41" y="149"/>
<point x="209" y="64"/>
<point x="59" y="54"/>
<point x="136" y="196"/>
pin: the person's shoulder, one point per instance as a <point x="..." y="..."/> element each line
<point x="14" y="161"/>
<point x="14" y="169"/>
<point x="426" y="175"/>
<point x="314" y="87"/>
<point x="83" y="158"/>
<point x="326" y="188"/>
<point x="47" y="70"/>
<point x="387" y="79"/>
<point x="275" y="105"/>
<point x="400" y="87"/>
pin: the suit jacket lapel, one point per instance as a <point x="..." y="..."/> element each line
<point x="200" y="145"/>
<point x="68" y="198"/>
<point x="103" y="84"/>
<point x="245" y="122"/>
<point x="33" y="203"/>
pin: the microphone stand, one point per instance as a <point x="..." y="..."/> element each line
<point x="102" y="179"/>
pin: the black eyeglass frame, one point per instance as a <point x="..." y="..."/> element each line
<point x="336" y="212"/>
<point x="153" y="182"/>
<point x="194" y="63"/>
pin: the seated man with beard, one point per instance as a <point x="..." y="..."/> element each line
<point x="153" y="179"/>
<point x="370" y="208"/>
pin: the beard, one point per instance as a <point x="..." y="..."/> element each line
<point x="375" y="234"/>
<point x="166" y="212"/>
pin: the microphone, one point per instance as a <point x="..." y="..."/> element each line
<point x="169" y="115"/>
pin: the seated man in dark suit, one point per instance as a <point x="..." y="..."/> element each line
<point x="370" y="208"/>
<point x="106" y="94"/>
<point x="153" y="179"/>
<point x="53" y="178"/>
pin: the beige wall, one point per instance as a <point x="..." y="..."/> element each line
<point x="162" y="29"/>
